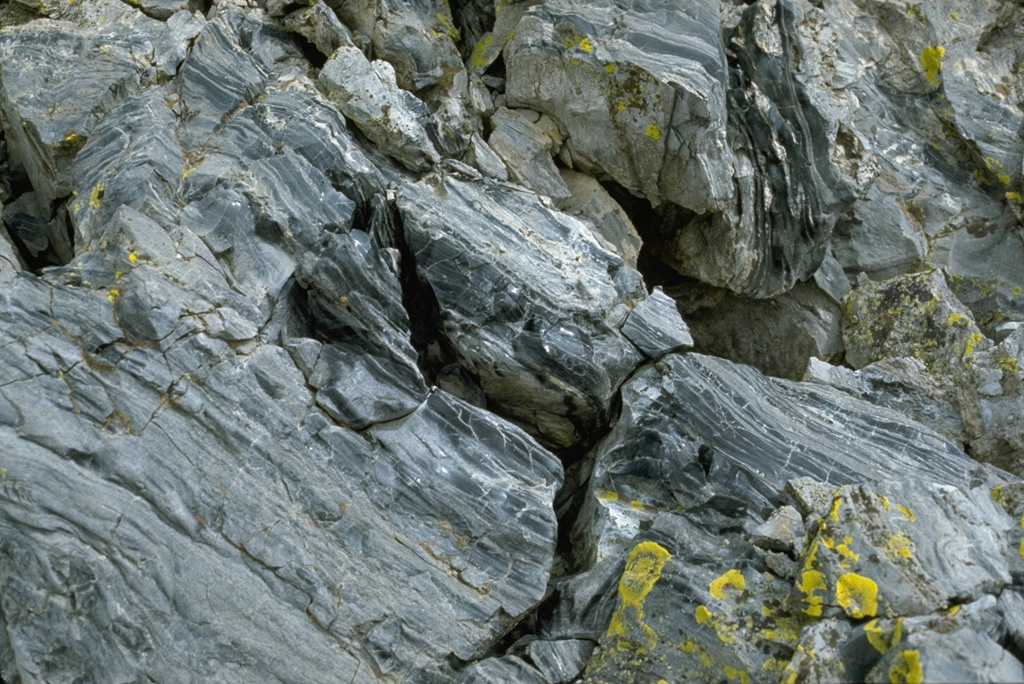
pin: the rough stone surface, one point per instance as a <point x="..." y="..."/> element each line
<point x="341" y="341"/>
<point x="367" y="93"/>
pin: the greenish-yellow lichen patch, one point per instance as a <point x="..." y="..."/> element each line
<point x="733" y="579"/>
<point x="857" y="595"/>
<point x="931" y="61"/>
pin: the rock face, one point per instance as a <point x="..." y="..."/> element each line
<point x="407" y="341"/>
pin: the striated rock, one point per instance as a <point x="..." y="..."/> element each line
<point x="902" y="384"/>
<point x="320" y="26"/>
<point x="536" y="310"/>
<point x="637" y="103"/>
<point x="892" y="566"/>
<point x="789" y="192"/>
<point x="269" y="302"/>
<point x="662" y="453"/>
<point x="10" y="262"/>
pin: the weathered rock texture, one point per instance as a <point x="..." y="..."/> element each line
<point x="351" y="341"/>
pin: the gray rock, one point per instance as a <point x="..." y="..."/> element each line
<point x="592" y="204"/>
<point x="902" y="384"/>
<point x="534" y="310"/>
<point x="961" y="655"/>
<point x="525" y="142"/>
<point x="49" y="110"/>
<point x="813" y="498"/>
<point x="924" y="320"/>
<point x="750" y="437"/>
<point x="892" y="566"/>
<point x="498" y="670"/>
<point x="252" y="361"/>
<point x="219" y="493"/>
<point x="320" y="26"/>
<point x="562" y="660"/>
<point x="218" y="76"/>
<point x="359" y="390"/>
<point x="789" y="192"/>
<point x="831" y="279"/>
<point x="367" y="93"/>
<point x="778" y="336"/>
<point x="879" y="237"/>
<point x="655" y="328"/>
<point x="637" y="103"/>
<point x="10" y="262"/>
<point x="782" y="531"/>
<point x="484" y="158"/>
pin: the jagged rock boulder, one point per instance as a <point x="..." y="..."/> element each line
<point x="537" y="311"/>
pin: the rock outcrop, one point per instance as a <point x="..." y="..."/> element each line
<point x="566" y="341"/>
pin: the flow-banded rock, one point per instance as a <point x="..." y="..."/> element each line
<point x="536" y="310"/>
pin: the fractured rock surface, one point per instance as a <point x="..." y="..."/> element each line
<point x="408" y="341"/>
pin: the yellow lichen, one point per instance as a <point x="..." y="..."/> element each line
<point x="479" y="56"/>
<point x="972" y="341"/>
<point x="732" y="579"/>
<point x="610" y="68"/>
<point x="811" y="582"/>
<point x="733" y="673"/>
<point x="607" y="495"/>
<point x="875" y="637"/>
<point x="702" y="614"/>
<point x="643" y="568"/>
<point x="931" y="61"/>
<point x="133" y="257"/>
<point x="113" y="294"/>
<point x="834" y="513"/>
<point x="954" y="318"/>
<point x="857" y="595"/>
<point x="907" y="513"/>
<point x="96" y="196"/>
<point x="906" y="668"/>
<point x="1014" y="196"/>
<point x="847" y="555"/>
<point x="898" y="545"/>
<point x="586" y="45"/>
<point x="653" y="131"/>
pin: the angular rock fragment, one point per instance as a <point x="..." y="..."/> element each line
<point x="871" y="558"/>
<point x="297" y="513"/>
<point x="749" y="436"/>
<point x="788" y="192"/>
<point x="918" y="316"/>
<point x="49" y="109"/>
<point x="10" y="262"/>
<point x="902" y="384"/>
<point x="592" y="204"/>
<point x="525" y="142"/>
<point x="368" y="94"/>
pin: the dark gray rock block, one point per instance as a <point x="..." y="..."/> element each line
<point x="534" y="310"/>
